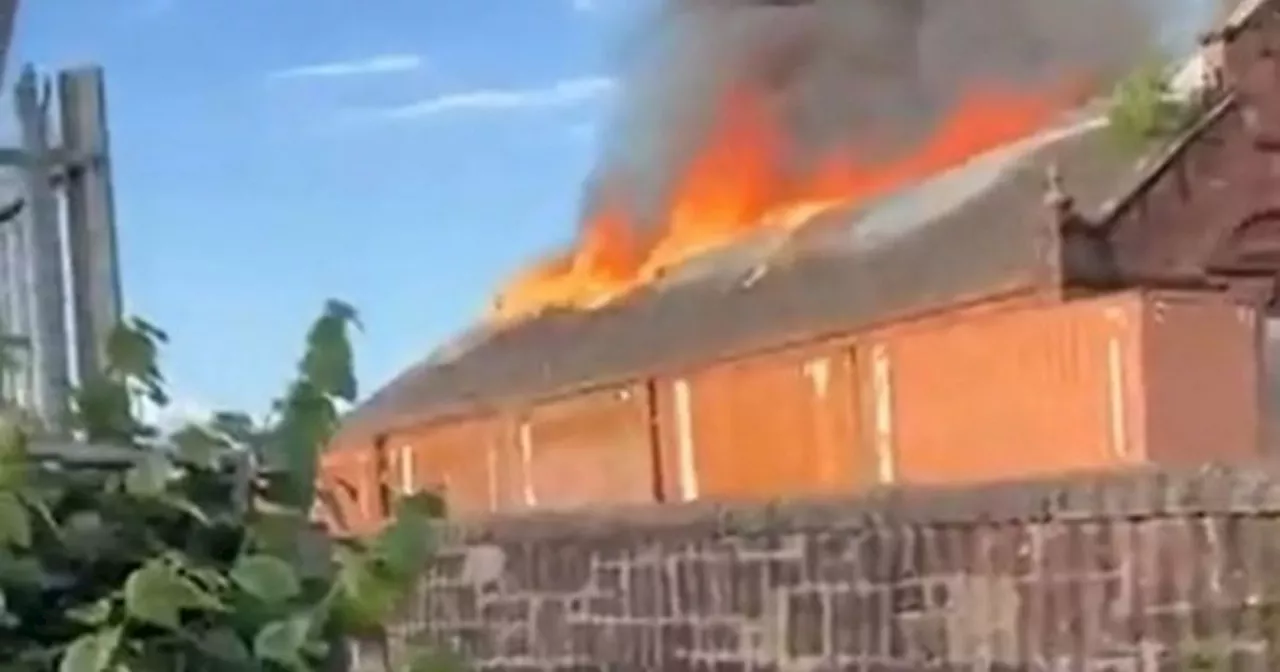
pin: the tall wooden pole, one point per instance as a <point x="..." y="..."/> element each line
<point x="46" y="285"/>
<point x="91" y="230"/>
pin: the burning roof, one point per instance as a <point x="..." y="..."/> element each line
<point x="748" y="117"/>
<point x="776" y="228"/>
<point x="978" y="231"/>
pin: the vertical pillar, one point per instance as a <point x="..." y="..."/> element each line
<point x="45" y="281"/>
<point x="15" y="383"/>
<point x="8" y="14"/>
<point x="8" y="381"/>
<point x="91" y="230"/>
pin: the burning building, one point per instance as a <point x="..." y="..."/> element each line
<point x="942" y="272"/>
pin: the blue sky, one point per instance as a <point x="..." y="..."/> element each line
<point x="403" y="155"/>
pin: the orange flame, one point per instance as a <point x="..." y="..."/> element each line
<point x="734" y="186"/>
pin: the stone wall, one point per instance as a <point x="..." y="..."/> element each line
<point x="1144" y="571"/>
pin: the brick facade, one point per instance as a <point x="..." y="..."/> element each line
<point x="1144" y="571"/>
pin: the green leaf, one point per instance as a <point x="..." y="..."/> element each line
<point x="308" y="420"/>
<point x="149" y="477"/>
<point x="225" y="645"/>
<point x="151" y="595"/>
<point x="103" y="409"/>
<point x="207" y="575"/>
<point x="313" y="554"/>
<point x="290" y="536"/>
<point x="269" y="579"/>
<point x="92" y="614"/>
<point x="105" y="401"/>
<point x="366" y="596"/>
<point x="39" y="504"/>
<point x="276" y="528"/>
<point x="406" y="545"/>
<point x="13" y="452"/>
<point x="21" y="570"/>
<point x="316" y="648"/>
<point x="186" y="506"/>
<point x="15" y="521"/>
<point x="92" y="652"/>
<point x="156" y="593"/>
<point x="282" y="641"/>
<point x="308" y="414"/>
<point x="428" y="505"/>
<point x="133" y="353"/>
<point x="328" y="363"/>
<point x="85" y="534"/>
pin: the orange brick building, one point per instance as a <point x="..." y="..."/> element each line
<point x="1048" y="307"/>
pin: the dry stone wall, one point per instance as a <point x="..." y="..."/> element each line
<point x="1142" y="571"/>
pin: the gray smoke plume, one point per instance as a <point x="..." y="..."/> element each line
<point x="884" y="71"/>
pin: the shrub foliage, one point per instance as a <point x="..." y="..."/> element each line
<point x="199" y="553"/>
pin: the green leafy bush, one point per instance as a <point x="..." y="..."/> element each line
<point x="199" y="555"/>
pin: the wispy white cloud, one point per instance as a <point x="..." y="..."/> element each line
<point x="373" y="65"/>
<point x="565" y="93"/>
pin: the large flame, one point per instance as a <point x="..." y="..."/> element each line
<point x="735" y="186"/>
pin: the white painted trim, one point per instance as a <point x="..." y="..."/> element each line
<point x="526" y="464"/>
<point x="1247" y="316"/>
<point x="687" y="455"/>
<point x="1115" y="398"/>
<point x="818" y="371"/>
<point x="882" y="396"/>
<point x="406" y="469"/>
<point x="492" y="465"/>
<point x="367" y="500"/>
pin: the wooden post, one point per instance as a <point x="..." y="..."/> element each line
<point x="46" y="286"/>
<point x="91" y="227"/>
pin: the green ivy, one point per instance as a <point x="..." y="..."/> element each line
<point x="201" y="555"/>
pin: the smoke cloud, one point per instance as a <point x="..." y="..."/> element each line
<point x="883" y="71"/>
